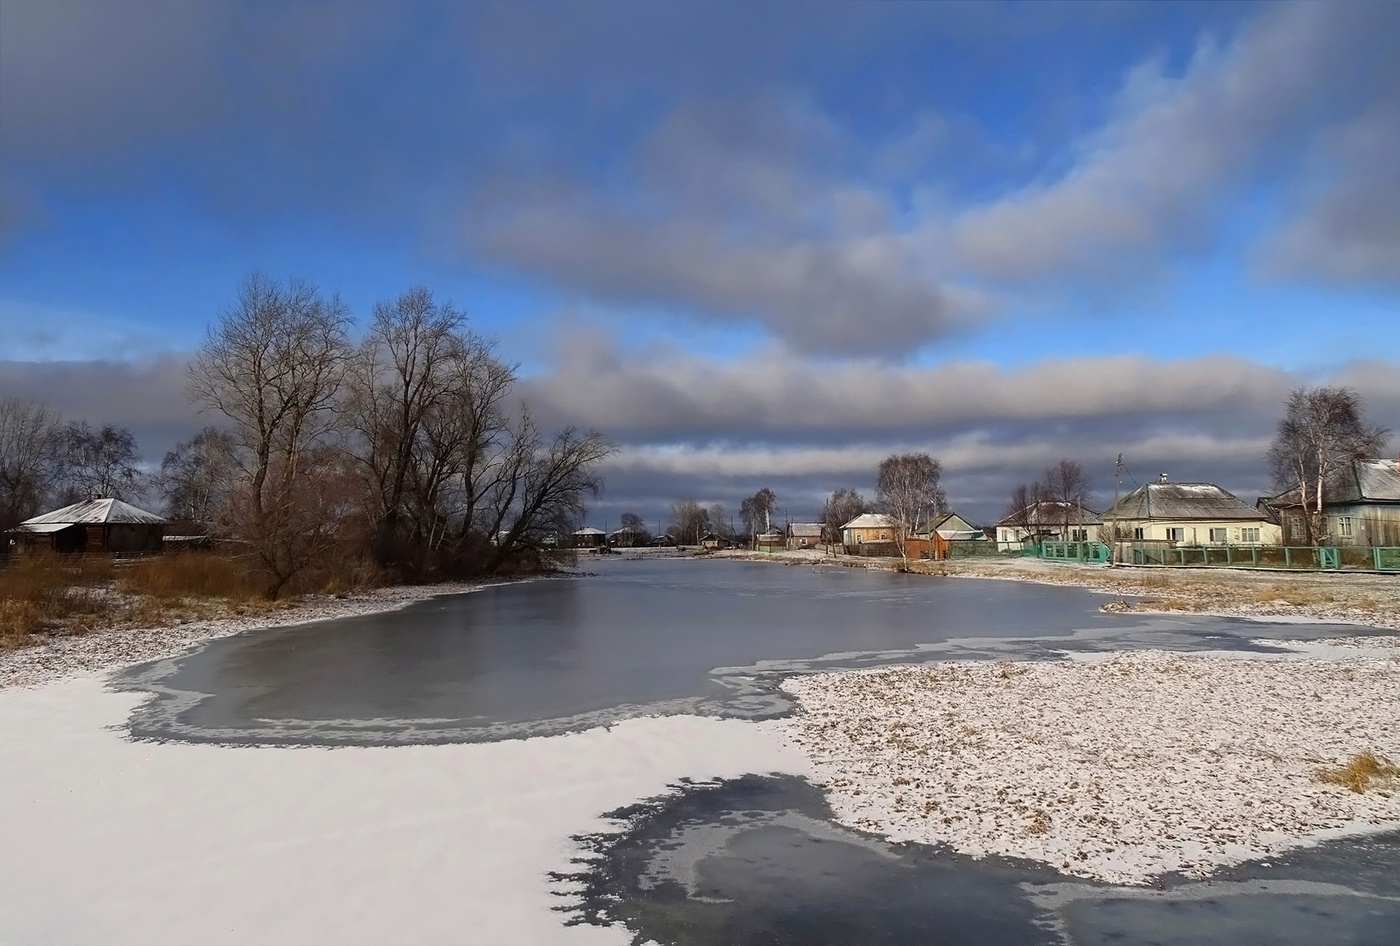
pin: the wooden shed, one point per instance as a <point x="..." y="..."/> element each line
<point x="96" y="525"/>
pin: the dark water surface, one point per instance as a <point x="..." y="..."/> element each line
<point x="638" y="637"/>
<point x="757" y="860"/>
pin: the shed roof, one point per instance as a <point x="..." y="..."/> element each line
<point x="93" y="511"/>
<point x="809" y="530"/>
<point x="870" y="520"/>
<point x="1204" y="501"/>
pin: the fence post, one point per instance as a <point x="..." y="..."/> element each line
<point x="1287" y="557"/>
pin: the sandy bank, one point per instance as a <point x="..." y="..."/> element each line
<point x="66" y="655"/>
<point x="1120" y="768"/>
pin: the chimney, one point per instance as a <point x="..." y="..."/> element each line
<point x="1161" y="477"/>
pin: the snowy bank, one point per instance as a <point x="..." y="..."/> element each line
<point x="108" y="840"/>
<point x="1121" y="767"/>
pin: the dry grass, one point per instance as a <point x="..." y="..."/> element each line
<point x="1358" y="774"/>
<point x="182" y="575"/>
<point x="44" y="591"/>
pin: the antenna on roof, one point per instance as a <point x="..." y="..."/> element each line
<point x="1161" y="477"/>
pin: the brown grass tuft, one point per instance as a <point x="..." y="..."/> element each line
<point x="42" y="591"/>
<point x="1358" y="774"/>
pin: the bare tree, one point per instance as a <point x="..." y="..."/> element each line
<point x="30" y="457"/>
<point x="907" y="491"/>
<point x="545" y="489"/>
<point x="199" y="476"/>
<point x="1322" y="431"/>
<point x="1024" y="511"/>
<point x="405" y="375"/>
<point x="689" y="520"/>
<point x="273" y="364"/>
<point x="1067" y="486"/>
<point x="633" y="529"/>
<point x="98" y="464"/>
<point x="841" y="507"/>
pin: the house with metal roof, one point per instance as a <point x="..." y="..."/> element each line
<point x="804" y="535"/>
<point x="1360" y="507"/>
<point x="94" y="525"/>
<point x="1048" y="519"/>
<point x="1189" y="514"/>
<point x="590" y="538"/>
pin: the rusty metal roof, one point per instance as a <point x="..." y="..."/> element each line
<point x="1204" y="501"/>
<point x="94" y="511"/>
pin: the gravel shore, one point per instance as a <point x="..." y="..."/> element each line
<point x="68" y="655"/>
<point x="1120" y="768"/>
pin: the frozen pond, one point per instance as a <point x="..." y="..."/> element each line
<point x="756" y="859"/>
<point x="636" y="638"/>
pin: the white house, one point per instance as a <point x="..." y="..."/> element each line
<point x="1189" y="514"/>
<point x="1055" y="520"/>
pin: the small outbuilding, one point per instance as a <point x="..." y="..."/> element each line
<point x="95" y="525"/>
<point x="804" y="535"/>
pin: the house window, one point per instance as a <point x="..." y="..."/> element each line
<point x="1176" y="534"/>
<point x="1344" y="527"/>
<point x="1139" y="533"/>
<point x="1249" y="535"/>
<point x="1294" y="528"/>
<point x="1080" y="535"/>
<point x="1218" y="535"/>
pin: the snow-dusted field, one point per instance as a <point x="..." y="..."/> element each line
<point x="110" y="841"/>
<point x="1122" y="767"/>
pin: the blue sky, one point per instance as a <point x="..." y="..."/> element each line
<point x="757" y="244"/>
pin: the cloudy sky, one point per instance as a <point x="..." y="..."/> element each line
<point x="756" y="244"/>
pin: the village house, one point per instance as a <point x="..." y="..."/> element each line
<point x="932" y="538"/>
<point x="590" y="538"/>
<point x="1361" y="508"/>
<point x="1052" y="520"/>
<point x="95" y="525"/>
<point x="868" y="529"/>
<point x="804" y="535"/>
<point x="1188" y="514"/>
<point x="769" y="541"/>
<point x="714" y="541"/>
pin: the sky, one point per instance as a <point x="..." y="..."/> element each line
<point x="756" y="244"/>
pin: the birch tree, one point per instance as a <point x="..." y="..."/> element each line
<point x="1321" y="432"/>
<point x="907" y="490"/>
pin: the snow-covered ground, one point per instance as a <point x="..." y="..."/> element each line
<point x="1120" y="767"/>
<point x="109" y="841"/>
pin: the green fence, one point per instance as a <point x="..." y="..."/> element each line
<point x="1074" y="551"/>
<point x="1357" y="558"/>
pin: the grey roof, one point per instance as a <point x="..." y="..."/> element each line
<point x="589" y="530"/>
<point x="1204" y="501"/>
<point x="91" y="512"/>
<point x="809" y="530"/>
<point x="1378" y="480"/>
<point x="1373" y="481"/>
<point x="1051" y="512"/>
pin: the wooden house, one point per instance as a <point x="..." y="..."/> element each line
<point x="95" y="525"/>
